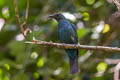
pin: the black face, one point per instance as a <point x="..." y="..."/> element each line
<point x="57" y="16"/>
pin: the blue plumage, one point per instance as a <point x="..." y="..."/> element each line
<point x="67" y="34"/>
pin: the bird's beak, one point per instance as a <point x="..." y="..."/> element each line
<point x="51" y="16"/>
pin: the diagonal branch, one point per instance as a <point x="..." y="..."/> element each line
<point x="24" y="32"/>
<point x="27" y="10"/>
<point x="73" y="46"/>
<point x="26" y="13"/>
<point x="18" y="18"/>
<point x="117" y="4"/>
<point x="117" y="68"/>
<point x="116" y="72"/>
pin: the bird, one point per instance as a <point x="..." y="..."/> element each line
<point x="67" y="34"/>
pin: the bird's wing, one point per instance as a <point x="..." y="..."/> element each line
<point x="74" y="34"/>
<point x="67" y="33"/>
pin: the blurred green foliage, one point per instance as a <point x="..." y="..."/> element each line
<point x="20" y="61"/>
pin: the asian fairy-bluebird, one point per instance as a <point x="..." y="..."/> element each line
<point x="67" y="34"/>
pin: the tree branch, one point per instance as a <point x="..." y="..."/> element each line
<point x="117" y="4"/>
<point x="73" y="46"/>
<point x="24" y="32"/>
<point x="18" y="18"/>
<point x="116" y="72"/>
<point x="27" y="9"/>
<point x="117" y="68"/>
<point x="26" y="13"/>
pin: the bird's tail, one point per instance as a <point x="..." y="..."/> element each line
<point x="74" y="65"/>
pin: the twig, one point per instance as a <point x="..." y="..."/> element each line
<point x="116" y="72"/>
<point x="106" y="60"/>
<point x="18" y="18"/>
<point x="73" y="46"/>
<point x="27" y="10"/>
<point x="27" y="30"/>
<point x="117" y="68"/>
<point x="117" y="4"/>
<point x="24" y="32"/>
<point x="26" y="13"/>
<point x="112" y="61"/>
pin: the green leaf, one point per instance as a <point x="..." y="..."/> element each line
<point x="106" y="28"/>
<point x="36" y="75"/>
<point x="1" y="73"/>
<point x="7" y="66"/>
<point x="101" y="67"/>
<point x="6" y="12"/>
<point x="40" y="62"/>
<point x="81" y="32"/>
<point x="86" y="16"/>
<point x="90" y="2"/>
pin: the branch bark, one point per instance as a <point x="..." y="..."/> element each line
<point x="73" y="46"/>
<point x="18" y="18"/>
<point x="117" y="4"/>
<point x="26" y="13"/>
<point x="116" y="72"/>
<point x="117" y="68"/>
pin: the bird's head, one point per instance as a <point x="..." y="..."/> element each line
<point x="57" y="16"/>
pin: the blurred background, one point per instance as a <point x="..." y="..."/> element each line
<point x="95" y="23"/>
